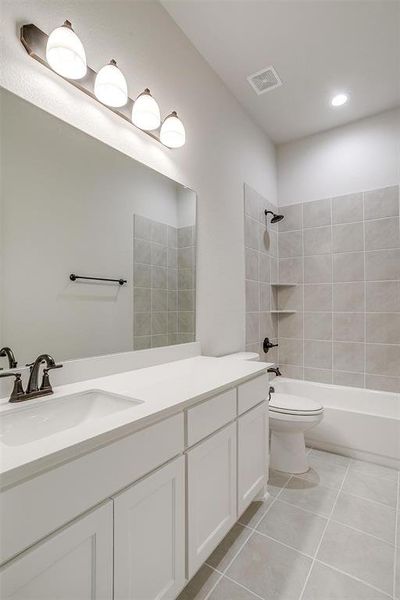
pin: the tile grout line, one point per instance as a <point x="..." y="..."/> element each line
<point x="332" y="264"/>
<point x="253" y="530"/>
<point x="365" y="295"/>
<point x="321" y="562"/>
<point x="323" y="534"/>
<point x="396" y="541"/>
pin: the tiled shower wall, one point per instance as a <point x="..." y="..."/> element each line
<point x="163" y="284"/>
<point x="261" y="269"/>
<point x="344" y="255"/>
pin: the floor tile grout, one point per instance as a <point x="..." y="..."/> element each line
<point x="335" y="492"/>
<point x="323" y="535"/>
<point x="373" y="587"/>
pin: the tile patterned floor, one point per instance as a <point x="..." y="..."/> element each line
<point x="330" y="534"/>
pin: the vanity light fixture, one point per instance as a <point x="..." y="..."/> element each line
<point x="65" y="52"/>
<point x="172" y="133"/>
<point x="110" y="85"/>
<point x="146" y="112"/>
<point x="339" y="100"/>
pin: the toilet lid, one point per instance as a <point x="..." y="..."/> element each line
<point x="290" y="404"/>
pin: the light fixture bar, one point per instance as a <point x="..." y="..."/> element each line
<point x="34" y="41"/>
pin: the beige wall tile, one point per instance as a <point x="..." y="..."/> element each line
<point x="383" y="359"/>
<point x="317" y="354"/>
<point x="383" y="328"/>
<point x="318" y="297"/>
<point x="291" y="270"/>
<point x="252" y="296"/>
<point x="382" y="265"/>
<point x="317" y="213"/>
<point x="383" y="202"/>
<point x="382" y="382"/>
<point x="319" y="375"/>
<point x="348" y="356"/>
<point x="348" y="327"/>
<point x="317" y="326"/>
<point x="291" y="326"/>
<point x="346" y="378"/>
<point x="348" y="296"/>
<point x="290" y="298"/>
<point x="290" y="351"/>
<point x="318" y="269"/>
<point x="290" y="244"/>
<point x="293" y="217"/>
<point x="317" y="240"/>
<point x="347" y="209"/>
<point x="383" y="296"/>
<point x="348" y="237"/>
<point x="348" y="267"/>
<point x="384" y="233"/>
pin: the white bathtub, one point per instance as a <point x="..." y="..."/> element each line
<point x="357" y="422"/>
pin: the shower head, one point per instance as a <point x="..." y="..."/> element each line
<point x="275" y="218"/>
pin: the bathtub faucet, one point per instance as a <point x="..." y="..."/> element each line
<point x="274" y="370"/>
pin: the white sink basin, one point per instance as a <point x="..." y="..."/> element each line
<point x="27" y="424"/>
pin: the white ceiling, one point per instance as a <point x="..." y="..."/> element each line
<point x="318" y="48"/>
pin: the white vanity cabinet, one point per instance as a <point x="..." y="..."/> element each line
<point x="76" y="563"/>
<point x="211" y="483"/>
<point x="252" y="454"/>
<point x="149" y="536"/>
<point x="165" y="497"/>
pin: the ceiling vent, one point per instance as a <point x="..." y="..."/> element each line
<point x="265" y="80"/>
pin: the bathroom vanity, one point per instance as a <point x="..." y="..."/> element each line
<point x="126" y="501"/>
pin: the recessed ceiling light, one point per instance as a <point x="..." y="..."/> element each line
<point x="339" y="100"/>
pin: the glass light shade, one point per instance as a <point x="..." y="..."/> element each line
<point x="65" y="52"/>
<point x="172" y="132"/>
<point x="146" y="112"/>
<point x="110" y="86"/>
<point x="339" y="100"/>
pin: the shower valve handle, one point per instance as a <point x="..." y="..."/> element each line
<point x="267" y="345"/>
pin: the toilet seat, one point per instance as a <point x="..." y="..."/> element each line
<point x="294" y="405"/>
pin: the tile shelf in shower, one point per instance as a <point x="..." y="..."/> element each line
<point x="283" y="312"/>
<point x="285" y="284"/>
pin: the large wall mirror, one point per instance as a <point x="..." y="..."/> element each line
<point x="73" y="205"/>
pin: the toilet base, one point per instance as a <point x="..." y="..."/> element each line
<point x="288" y="452"/>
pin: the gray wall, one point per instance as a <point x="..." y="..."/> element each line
<point x="344" y="253"/>
<point x="261" y="268"/>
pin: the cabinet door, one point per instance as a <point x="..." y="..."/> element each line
<point x="252" y="455"/>
<point x="149" y="536"/>
<point x="211" y="494"/>
<point x="73" y="563"/>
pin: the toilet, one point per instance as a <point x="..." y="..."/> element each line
<point x="290" y="417"/>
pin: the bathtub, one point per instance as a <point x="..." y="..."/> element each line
<point x="357" y="422"/>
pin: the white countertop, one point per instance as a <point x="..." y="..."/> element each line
<point x="164" y="390"/>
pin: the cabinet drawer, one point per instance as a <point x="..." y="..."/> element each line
<point x="209" y="416"/>
<point x="61" y="494"/>
<point x="252" y="392"/>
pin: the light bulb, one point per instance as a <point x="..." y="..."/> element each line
<point x="339" y="100"/>
<point x="65" y="52"/>
<point x="146" y="112"/>
<point x="110" y="86"/>
<point x="172" y="132"/>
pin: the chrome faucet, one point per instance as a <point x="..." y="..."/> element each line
<point x="6" y="352"/>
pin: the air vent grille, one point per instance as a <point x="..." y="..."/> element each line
<point x="265" y="80"/>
